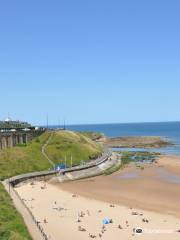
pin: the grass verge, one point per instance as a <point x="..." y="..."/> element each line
<point x="12" y="226"/>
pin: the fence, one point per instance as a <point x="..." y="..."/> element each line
<point x="37" y="223"/>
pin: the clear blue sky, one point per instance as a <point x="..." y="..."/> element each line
<point x="90" y="61"/>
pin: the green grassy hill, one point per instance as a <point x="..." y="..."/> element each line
<point x="93" y="135"/>
<point x="67" y="143"/>
<point x="23" y="159"/>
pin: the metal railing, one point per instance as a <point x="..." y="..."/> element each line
<point x="37" y="223"/>
<point x="23" y="177"/>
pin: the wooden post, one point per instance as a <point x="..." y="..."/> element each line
<point x="71" y="161"/>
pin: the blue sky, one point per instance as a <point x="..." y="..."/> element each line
<point x="90" y="61"/>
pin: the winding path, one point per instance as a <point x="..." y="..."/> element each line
<point x="43" y="150"/>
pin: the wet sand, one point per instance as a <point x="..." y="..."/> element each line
<point x="171" y="162"/>
<point x="156" y="188"/>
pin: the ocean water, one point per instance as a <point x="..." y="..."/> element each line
<point x="170" y="130"/>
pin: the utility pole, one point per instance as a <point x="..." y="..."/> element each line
<point x="47" y="121"/>
<point x="64" y="124"/>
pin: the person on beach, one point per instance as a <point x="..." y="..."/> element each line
<point x="120" y="227"/>
<point x="45" y="221"/>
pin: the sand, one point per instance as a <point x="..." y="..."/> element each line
<point x="58" y="210"/>
<point x="148" y="189"/>
<point x="116" y="197"/>
<point x="171" y="162"/>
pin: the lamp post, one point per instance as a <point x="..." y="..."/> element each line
<point x="65" y="160"/>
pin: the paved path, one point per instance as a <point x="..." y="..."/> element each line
<point x="89" y="172"/>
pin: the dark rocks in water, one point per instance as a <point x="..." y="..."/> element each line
<point x="138" y="142"/>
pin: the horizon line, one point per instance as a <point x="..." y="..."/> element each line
<point x="110" y="123"/>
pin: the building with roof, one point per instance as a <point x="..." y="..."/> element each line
<point x="8" y="125"/>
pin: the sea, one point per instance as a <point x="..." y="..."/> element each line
<point x="169" y="130"/>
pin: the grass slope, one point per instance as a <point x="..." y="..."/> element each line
<point x="67" y="143"/>
<point x="93" y="135"/>
<point x="11" y="223"/>
<point x="23" y="159"/>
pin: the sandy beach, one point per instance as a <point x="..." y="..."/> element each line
<point x="67" y="216"/>
<point x="171" y="162"/>
<point x="156" y="188"/>
<point x="76" y="210"/>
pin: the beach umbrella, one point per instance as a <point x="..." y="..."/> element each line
<point x="105" y="221"/>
